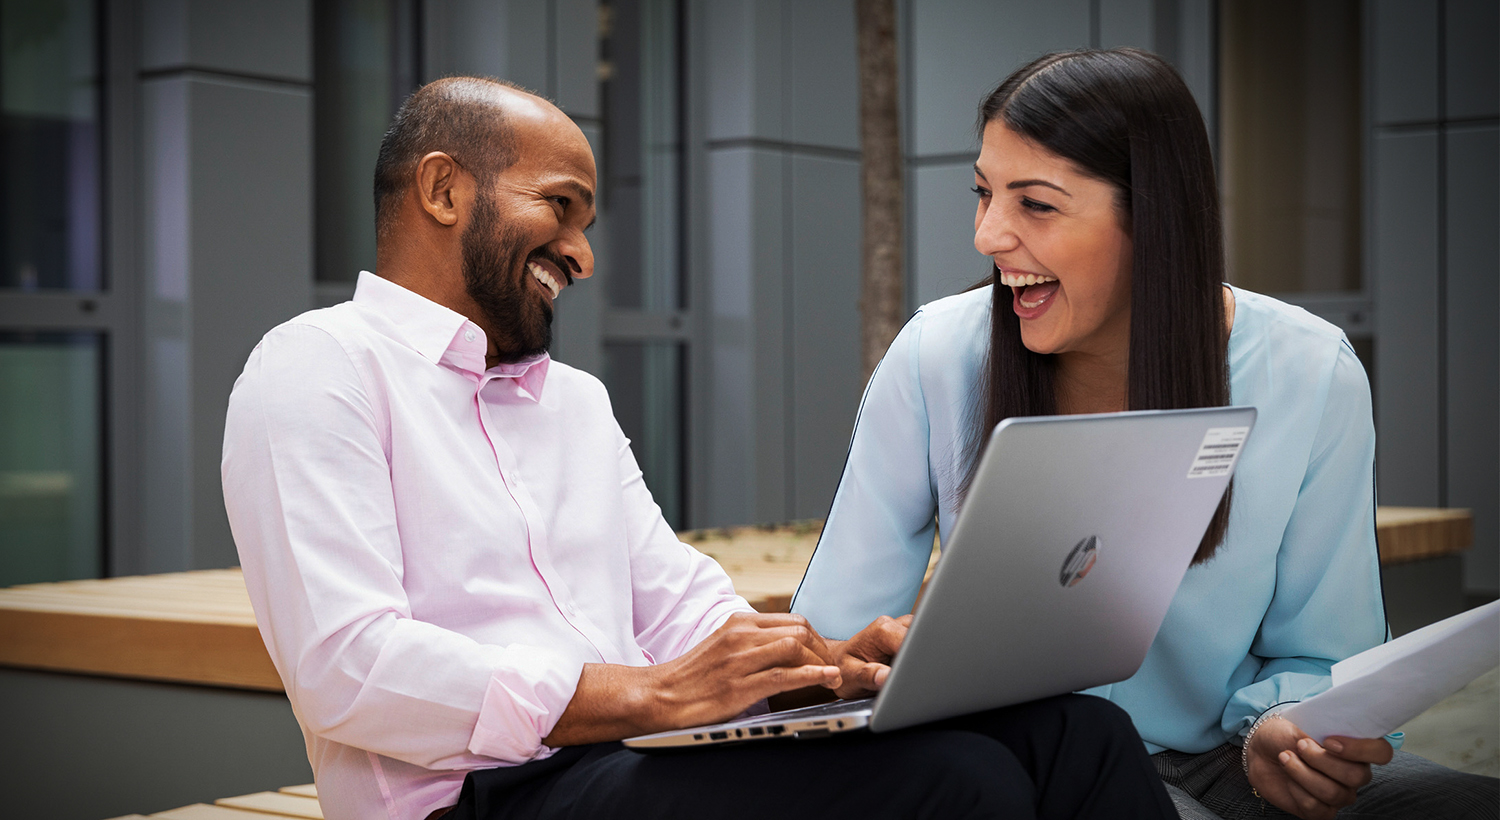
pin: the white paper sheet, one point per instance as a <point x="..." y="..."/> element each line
<point x="1378" y="690"/>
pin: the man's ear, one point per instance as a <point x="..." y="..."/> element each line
<point x="443" y="187"/>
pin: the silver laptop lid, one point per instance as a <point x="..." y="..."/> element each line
<point x="1061" y="566"/>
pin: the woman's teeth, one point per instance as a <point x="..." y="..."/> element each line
<point x="545" y="278"/>
<point x="1021" y="280"/>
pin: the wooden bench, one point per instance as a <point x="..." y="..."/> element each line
<point x="293" y="801"/>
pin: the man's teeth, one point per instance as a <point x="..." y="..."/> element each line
<point x="1021" y="280"/>
<point x="545" y="278"/>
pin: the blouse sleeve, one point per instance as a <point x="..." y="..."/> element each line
<point x="878" y="537"/>
<point x="1327" y="604"/>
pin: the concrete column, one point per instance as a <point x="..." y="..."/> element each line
<point x="226" y="118"/>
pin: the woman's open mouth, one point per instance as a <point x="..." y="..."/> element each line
<point x="1033" y="292"/>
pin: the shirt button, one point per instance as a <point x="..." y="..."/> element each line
<point x="468" y="335"/>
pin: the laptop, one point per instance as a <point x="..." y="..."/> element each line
<point x="1075" y="535"/>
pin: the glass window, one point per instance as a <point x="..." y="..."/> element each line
<point x="643" y="156"/>
<point x="645" y="382"/>
<point x="49" y="141"/>
<point x="50" y="445"/>
<point x="1290" y="145"/>
<point x="641" y="182"/>
<point x="364" y="66"/>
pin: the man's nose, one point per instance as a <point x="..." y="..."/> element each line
<point x="579" y="256"/>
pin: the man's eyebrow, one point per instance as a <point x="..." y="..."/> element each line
<point x="1027" y="183"/>
<point x="581" y="191"/>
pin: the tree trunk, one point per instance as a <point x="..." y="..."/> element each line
<point x="881" y="180"/>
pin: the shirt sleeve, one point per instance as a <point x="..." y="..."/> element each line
<point x="679" y="596"/>
<point x="1327" y="604"/>
<point x="307" y="489"/>
<point x="878" y="537"/>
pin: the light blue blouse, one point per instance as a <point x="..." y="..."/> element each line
<point x="1294" y="587"/>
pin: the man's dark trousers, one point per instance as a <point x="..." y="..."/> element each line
<point x="1073" y="756"/>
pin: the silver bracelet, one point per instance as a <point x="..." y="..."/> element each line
<point x="1245" y="748"/>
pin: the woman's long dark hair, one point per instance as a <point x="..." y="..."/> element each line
<point x="1125" y="117"/>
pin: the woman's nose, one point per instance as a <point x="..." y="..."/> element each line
<point x="993" y="233"/>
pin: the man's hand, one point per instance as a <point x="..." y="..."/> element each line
<point x="750" y="658"/>
<point x="864" y="660"/>
<point x="1292" y="772"/>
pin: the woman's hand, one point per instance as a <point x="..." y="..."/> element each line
<point x="1292" y="772"/>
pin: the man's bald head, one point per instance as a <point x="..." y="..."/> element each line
<point x="465" y="118"/>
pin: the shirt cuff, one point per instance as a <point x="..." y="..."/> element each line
<point x="522" y="703"/>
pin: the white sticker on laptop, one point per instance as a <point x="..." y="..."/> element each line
<point x="1218" y="452"/>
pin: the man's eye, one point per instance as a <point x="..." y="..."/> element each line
<point x="1032" y="205"/>
<point x="562" y="201"/>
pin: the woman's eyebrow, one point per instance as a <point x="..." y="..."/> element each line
<point x="1027" y="183"/>
<point x="979" y="173"/>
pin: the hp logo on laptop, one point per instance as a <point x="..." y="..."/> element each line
<point x="1079" y="561"/>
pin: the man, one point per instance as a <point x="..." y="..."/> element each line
<point x="458" y="571"/>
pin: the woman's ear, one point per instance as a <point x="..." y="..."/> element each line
<point x="443" y="188"/>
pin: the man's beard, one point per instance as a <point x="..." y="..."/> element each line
<point x="494" y="267"/>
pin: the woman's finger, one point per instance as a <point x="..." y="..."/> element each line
<point x="1361" y="749"/>
<point x="1321" y="787"/>
<point x="1351" y="774"/>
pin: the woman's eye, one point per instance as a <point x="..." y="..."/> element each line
<point x="982" y="193"/>
<point x="1032" y="205"/>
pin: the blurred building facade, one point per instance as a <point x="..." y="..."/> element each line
<point x="182" y="175"/>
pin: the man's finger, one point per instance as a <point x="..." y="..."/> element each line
<point x="786" y="651"/>
<point x="780" y="679"/>
<point x="1361" y="749"/>
<point x="1322" y="788"/>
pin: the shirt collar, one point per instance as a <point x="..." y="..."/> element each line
<point x="444" y="336"/>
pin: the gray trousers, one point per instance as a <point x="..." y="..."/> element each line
<point x="1212" y="786"/>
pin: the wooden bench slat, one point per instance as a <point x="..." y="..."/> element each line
<point x="203" y="811"/>
<point x="308" y="790"/>
<point x="283" y="805"/>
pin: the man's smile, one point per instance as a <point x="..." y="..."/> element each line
<point x="548" y="274"/>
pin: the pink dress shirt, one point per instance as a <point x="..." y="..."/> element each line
<point x="435" y="549"/>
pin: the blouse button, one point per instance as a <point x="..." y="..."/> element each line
<point x="468" y="335"/>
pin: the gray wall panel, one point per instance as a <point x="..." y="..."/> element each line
<point x="1472" y="33"/>
<point x="1406" y="69"/>
<point x="824" y="83"/>
<point x="1127" y="23"/>
<point x="768" y="335"/>
<point x="1473" y="158"/>
<point x="469" y="37"/>
<point x="825" y="326"/>
<point x="746" y="55"/>
<point x="944" y="261"/>
<point x="268" y="38"/>
<point x="576" y="69"/>
<point x="1404" y="275"/>
<point x="166" y="203"/>
<point x="251" y="260"/>
<point x="747" y="480"/>
<point x="962" y="49"/>
<point x="524" y="26"/>
<point x="82" y="748"/>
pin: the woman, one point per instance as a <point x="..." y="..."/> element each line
<point x="1098" y="206"/>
